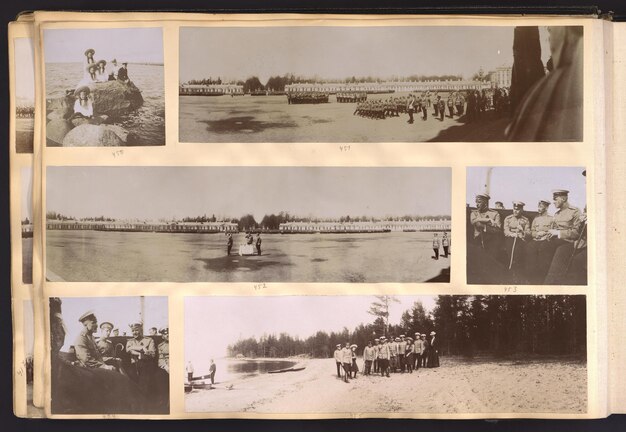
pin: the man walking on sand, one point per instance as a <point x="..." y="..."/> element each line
<point x="338" y="359"/>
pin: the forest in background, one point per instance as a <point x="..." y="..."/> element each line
<point x="513" y="325"/>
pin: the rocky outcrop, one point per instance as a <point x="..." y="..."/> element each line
<point x="56" y="130"/>
<point x="115" y="98"/>
<point x="90" y="135"/>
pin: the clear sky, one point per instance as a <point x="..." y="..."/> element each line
<point x="213" y="323"/>
<point x="340" y="52"/>
<point x="151" y="193"/>
<point x="27" y="193"/>
<point x="132" y="45"/>
<point x="527" y="184"/>
<point x="120" y="311"/>
<point x="24" y="70"/>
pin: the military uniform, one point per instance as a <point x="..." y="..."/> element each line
<point x="143" y="361"/>
<point x="540" y="249"/>
<point x="515" y="245"/>
<point x="164" y="356"/>
<point x="338" y="356"/>
<point x="87" y="352"/>
<point x="445" y="243"/>
<point x="436" y="247"/>
<point x="487" y="235"/>
<point x="384" y="355"/>
<point x="567" y="221"/>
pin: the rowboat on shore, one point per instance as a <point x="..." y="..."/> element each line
<point x="291" y="369"/>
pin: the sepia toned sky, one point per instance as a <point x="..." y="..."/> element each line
<point x="132" y="45"/>
<point x="212" y="323"/>
<point x="120" y="311"/>
<point x="26" y="186"/>
<point x="341" y="52"/>
<point x="24" y="70"/>
<point x="151" y="193"/>
<point x="527" y="184"/>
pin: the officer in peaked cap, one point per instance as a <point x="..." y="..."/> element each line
<point x="539" y="250"/>
<point x="516" y="232"/>
<point x="164" y="350"/>
<point x="487" y="225"/>
<point x="564" y="232"/>
<point x="87" y="352"/>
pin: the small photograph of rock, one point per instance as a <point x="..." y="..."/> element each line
<point x="104" y="87"/>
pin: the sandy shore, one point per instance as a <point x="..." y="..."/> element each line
<point x="458" y="386"/>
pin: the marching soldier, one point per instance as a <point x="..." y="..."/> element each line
<point x="258" y="243"/>
<point x="410" y="107"/>
<point x="487" y="225"/>
<point x="565" y="231"/>
<point x="516" y="232"/>
<point x="229" y="243"/>
<point x="540" y="250"/>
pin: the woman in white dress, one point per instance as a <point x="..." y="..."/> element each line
<point x="83" y="107"/>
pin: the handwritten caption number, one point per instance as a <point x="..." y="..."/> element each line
<point x="510" y="289"/>
<point x="117" y="153"/>
<point x="260" y="286"/>
<point x="344" y="148"/>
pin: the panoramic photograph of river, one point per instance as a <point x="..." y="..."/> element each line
<point x="138" y="224"/>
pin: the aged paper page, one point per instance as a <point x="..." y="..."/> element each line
<point x="109" y="214"/>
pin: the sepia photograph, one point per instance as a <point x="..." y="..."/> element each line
<point x="386" y="354"/>
<point x="526" y="225"/>
<point x="104" y="87"/>
<point x="26" y="187"/>
<point x="24" y="72"/>
<point x="29" y="347"/>
<point x="248" y="224"/>
<point x="380" y="84"/>
<point x="109" y="355"/>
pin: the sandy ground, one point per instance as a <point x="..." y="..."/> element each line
<point x="24" y="135"/>
<point x="458" y="386"/>
<point x="271" y="119"/>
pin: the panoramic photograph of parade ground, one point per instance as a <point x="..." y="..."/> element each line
<point x="104" y="87"/>
<point x="109" y="355"/>
<point x="526" y="225"/>
<point x="386" y="354"/>
<point x="248" y="224"/>
<point x="380" y="84"/>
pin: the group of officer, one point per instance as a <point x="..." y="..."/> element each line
<point x="389" y="355"/>
<point x="103" y="353"/>
<point x="549" y="250"/>
<point x="307" y="98"/>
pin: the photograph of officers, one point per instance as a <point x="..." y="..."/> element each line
<point x="132" y="364"/>
<point x="542" y="242"/>
<point x="388" y="355"/>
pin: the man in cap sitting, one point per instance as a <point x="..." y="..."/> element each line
<point x="487" y="225"/>
<point x="87" y="352"/>
<point x="565" y="231"/>
<point x="142" y="355"/>
<point x="540" y="250"/>
<point x="338" y="359"/>
<point x="516" y="232"/>
<point x="106" y="347"/>
<point x="164" y="350"/>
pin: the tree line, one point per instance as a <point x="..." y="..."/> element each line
<point x="513" y="325"/>
<point x="269" y="222"/>
<point x="278" y="82"/>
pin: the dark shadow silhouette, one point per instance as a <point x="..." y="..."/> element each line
<point x="243" y="124"/>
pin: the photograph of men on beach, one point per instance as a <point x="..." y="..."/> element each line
<point x="24" y="79"/>
<point x="386" y="354"/>
<point x="248" y="224"/>
<point x="526" y="225"/>
<point x="380" y="84"/>
<point x="26" y="224"/>
<point x="110" y="355"/>
<point x="104" y="87"/>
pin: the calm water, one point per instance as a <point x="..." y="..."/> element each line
<point x="148" y="122"/>
<point x="100" y="256"/>
<point x="228" y="369"/>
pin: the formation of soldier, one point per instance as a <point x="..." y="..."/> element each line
<point x="548" y="250"/>
<point x="307" y="98"/>
<point x="25" y="112"/>
<point x="402" y="354"/>
<point x="351" y="97"/>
